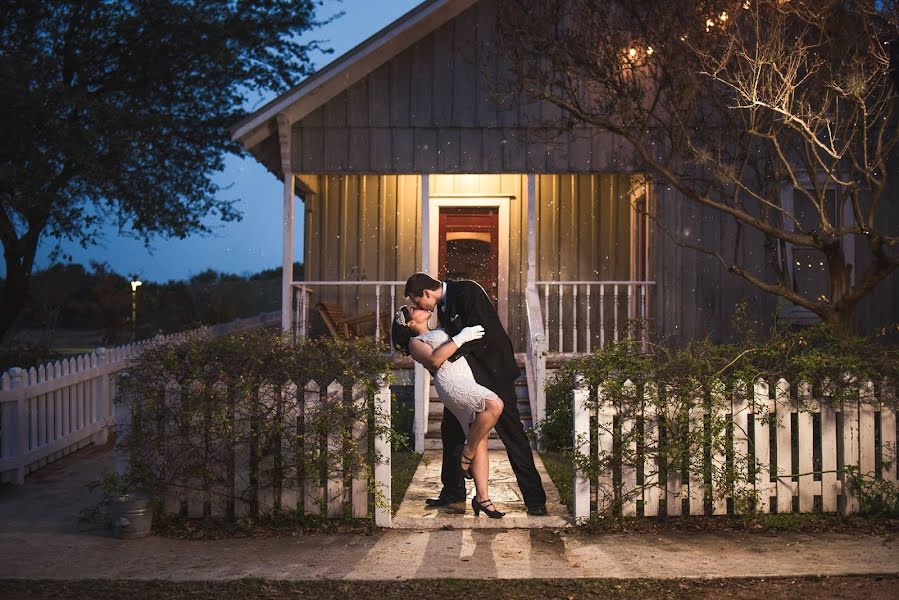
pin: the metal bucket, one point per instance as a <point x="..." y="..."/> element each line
<point x="132" y="516"/>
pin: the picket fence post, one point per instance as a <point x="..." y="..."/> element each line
<point x="104" y="402"/>
<point x="15" y="437"/>
<point x="581" y="491"/>
<point x="383" y="510"/>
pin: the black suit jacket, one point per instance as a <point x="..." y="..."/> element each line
<point x="491" y="357"/>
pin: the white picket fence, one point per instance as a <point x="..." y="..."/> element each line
<point x="254" y="481"/>
<point x="52" y="410"/>
<point x="853" y="435"/>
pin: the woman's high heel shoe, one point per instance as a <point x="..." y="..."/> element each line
<point x="466" y="465"/>
<point x="481" y="505"/>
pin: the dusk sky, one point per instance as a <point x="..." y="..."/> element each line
<point x="254" y="243"/>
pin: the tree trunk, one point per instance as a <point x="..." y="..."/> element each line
<point x="842" y="317"/>
<point x="843" y="321"/>
<point x="15" y="293"/>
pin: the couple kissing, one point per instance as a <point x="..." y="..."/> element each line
<point x="471" y="359"/>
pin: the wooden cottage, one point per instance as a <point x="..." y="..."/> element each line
<point x="404" y="163"/>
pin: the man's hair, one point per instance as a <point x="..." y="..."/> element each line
<point x="400" y="332"/>
<point x="418" y="283"/>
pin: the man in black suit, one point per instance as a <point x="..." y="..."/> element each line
<point x="460" y="304"/>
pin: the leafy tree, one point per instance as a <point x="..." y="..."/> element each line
<point x="119" y="111"/>
<point x="731" y="102"/>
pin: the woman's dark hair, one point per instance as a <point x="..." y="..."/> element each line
<point x="400" y="332"/>
<point x="418" y="283"/>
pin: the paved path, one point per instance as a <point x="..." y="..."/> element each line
<point x="40" y="538"/>
<point x="414" y="514"/>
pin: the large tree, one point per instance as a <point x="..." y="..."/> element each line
<point x="780" y="114"/>
<point x="118" y="111"/>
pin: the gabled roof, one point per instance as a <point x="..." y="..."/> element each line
<point x="348" y="69"/>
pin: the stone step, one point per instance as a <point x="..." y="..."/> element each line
<point x="435" y="416"/>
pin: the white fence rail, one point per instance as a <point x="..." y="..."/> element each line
<point x="52" y="410"/>
<point x="808" y="453"/>
<point x="580" y="316"/>
<point x="242" y="479"/>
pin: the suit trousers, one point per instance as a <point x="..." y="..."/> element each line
<point x="518" y="448"/>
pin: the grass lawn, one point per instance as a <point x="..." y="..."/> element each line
<point x="404" y="465"/>
<point x="769" y="588"/>
<point x="561" y="471"/>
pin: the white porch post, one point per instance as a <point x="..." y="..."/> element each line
<point x="532" y="228"/>
<point x="287" y="224"/>
<point x="422" y="377"/>
<point x="536" y="339"/>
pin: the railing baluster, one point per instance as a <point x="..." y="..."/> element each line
<point x="574" y="318"/>
<point x="602" y="311"/>
<point x="630" y="308"/>
<point x="588" y="318"/>
<point x="378" y="312"/>
<point x="305" y="311"/>
<point x="561" y="316"/>
<point x="296" y="318"/>
<point x="546" y="312"/>
<point x="615" y="333"/>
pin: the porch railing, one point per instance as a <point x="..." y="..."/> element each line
<point x="590" y="314"/>
<point x="580" y="316"/>
<point x="370" y="296"/>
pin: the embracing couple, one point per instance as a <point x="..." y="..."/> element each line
<point x="471" y="359"/>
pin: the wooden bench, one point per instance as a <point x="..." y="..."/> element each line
<point x="346" y="327"/>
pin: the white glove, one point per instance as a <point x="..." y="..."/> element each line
<point x="469" y="334"/>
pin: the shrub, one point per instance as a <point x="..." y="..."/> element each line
<point x="228" y="420"/>
<point x="653" y="388"/>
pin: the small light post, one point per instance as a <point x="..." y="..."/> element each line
<point x="134" y="285"/>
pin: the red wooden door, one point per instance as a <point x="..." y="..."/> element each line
<point x="468" y="248"/>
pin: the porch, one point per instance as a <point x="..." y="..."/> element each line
<point x="565" y="258"/>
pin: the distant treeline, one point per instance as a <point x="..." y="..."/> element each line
<point x="74" y="297"/>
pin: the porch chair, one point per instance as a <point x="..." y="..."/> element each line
<point x="343" y="326"/>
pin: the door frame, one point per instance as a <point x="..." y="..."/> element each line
<point x="435" y="203"/>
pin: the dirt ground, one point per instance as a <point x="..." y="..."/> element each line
<point x="824" y="588"/>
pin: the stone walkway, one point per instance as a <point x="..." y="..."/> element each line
<point x="414" y="514"/>
<point x="40" y="537"/>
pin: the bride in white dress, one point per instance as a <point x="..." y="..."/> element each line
<point x="476" y="407"/>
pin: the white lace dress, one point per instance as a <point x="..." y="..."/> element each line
<point x="455" y="383"/>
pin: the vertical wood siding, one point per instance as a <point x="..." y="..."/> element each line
<point x="434" y="108"/>
<point x="367" y="227"/>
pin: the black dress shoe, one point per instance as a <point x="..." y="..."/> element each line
<point x="537" y="511"/>
<point x="443" y="501"/>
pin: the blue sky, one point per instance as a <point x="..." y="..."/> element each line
<point x="254" y="243"/>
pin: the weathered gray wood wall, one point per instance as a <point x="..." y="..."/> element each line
<point x="429" y="110"/>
